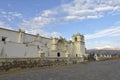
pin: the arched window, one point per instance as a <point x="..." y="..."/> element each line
<point x="75" y="39"/>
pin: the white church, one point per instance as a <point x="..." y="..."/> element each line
<point x="18" y="44"/>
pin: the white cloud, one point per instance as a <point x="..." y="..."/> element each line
<point x="48" y="13"/>
<point x="10" y="16"/>
<point x="113" y="31"/>
<point x="55" y="34"/>
<point x="71" y="17"/>
<point x="94" y="16"/>
<point x="106" y="8"/>
<point x="84" y="8"/>
<point x="37" y="22"/>
<point x="44" y="33"/>
<point x="76" y="10"/>
<point x="3" y="25"/>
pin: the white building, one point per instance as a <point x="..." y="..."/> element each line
<point x="14" y="44"/>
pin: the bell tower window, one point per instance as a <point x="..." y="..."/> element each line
<point x="75" y="39"/>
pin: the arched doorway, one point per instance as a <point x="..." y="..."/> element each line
<point x="58" y="54"/>
<point x="61" y="48"/>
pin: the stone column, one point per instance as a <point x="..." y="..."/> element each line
<point x="20" y="35"/>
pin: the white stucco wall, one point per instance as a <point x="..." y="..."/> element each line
<point x="31" y="51"/>
<point x="28" y="38"/>
<point x="16" y="50"/>
<point x="21" y="44"/>
<point x="11" y="35"/>
<point x="12" y="50"/>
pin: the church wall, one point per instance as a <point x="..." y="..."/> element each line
<point x="75" y="49"/>
<point x="58" y="46"/>
<point x="28" y="38"/>
<point x="0" y="38"/>
<point x="54" y="53"/>
<point x="45" y="46"/>
<point x="1" y="47"/>
<point x="31" y="51"/>
<point x="71" y="49"/>
<point x="9" y="34"/>
<point x="16" y="50"/>
<point x="12" y="50"/>
<point x="83" y="49"/>
<point x="21" y="44"/>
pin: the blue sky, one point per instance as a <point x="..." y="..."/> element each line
<point x="98" y="20"/>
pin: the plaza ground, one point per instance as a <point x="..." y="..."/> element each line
<point x="103" y="70"/>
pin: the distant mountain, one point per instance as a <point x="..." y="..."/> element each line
<point x="104" y="51"/>
<point x="107" y="48"/>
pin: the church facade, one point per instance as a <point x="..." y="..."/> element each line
<point x="18" y="44"/>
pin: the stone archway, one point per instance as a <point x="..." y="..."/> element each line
<point x="61" y="45"/>
<point x="61" y="48"/>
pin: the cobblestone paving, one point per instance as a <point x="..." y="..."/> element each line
<point x="106" y="70"/>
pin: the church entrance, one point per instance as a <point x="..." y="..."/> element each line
<point x="58" y="54"/>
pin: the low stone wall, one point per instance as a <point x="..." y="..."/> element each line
<point x="7" y="64"/>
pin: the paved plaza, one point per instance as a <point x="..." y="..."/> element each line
<point x="104" y="70"/>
